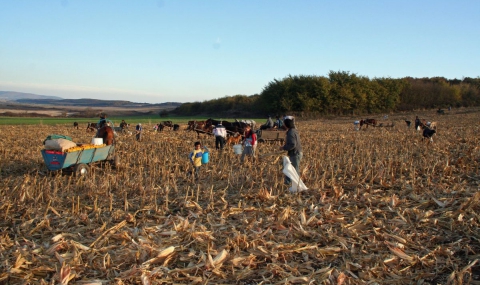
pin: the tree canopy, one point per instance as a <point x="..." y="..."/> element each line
<point x="343" y="93"/>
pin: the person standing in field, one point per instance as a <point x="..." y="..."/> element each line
<point x="220" y="134"/>
<point x="196" y="158"/>
<point x="293" y="146"/>
<point x="417" y="122"/>
<point x="250" y="143"/>
<point x="138" y="130"/>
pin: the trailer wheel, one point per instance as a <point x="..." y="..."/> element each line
<point x="116" y="161"/>
<point x="261" y="140"/>
<point x="81" y="169"/>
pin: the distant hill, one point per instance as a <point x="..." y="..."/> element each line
<point x="14" y="96"/>
<point x="95" y="103"/>
<point x="27" y="98"/>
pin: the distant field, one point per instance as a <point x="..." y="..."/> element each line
<point x="116" y="120"/>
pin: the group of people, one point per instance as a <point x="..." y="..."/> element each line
<point x="104" y="122"/>
<point x="270" y="124"/>
<point x="292" y="145"/>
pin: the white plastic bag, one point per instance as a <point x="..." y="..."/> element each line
<point x="289" y="170"/>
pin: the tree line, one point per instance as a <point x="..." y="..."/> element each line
<point x="342" y="93"/>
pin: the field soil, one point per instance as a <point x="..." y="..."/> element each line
<point x="384" y="206"/>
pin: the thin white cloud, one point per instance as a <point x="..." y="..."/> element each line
<point x="68" y="89"/>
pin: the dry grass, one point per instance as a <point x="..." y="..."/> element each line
<point x="383" y="208"/>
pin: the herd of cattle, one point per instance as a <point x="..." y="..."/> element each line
<point x="236" y="129"/>
<point x="428" y="128"/>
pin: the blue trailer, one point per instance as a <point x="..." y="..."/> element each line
<point x="78" y="161"/>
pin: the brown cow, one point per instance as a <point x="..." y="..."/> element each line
<point x="190" y="125"/>
<point x="368" y="122"/>
<point x="107" y="134"/>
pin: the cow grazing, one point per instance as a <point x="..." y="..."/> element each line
<point x="159" y="127"/>
<point x="368" y="122"/>
<point x="168" y="124"/>
<point x="428" y="134"/>
<point x="75" y="125"/>
<point x="408" y="123"/>
<point x="176" y="127"/>
<point x="190" y="125"/>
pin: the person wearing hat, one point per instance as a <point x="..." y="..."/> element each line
<point x="293" y="146"/>
<point x="139" y="130"/>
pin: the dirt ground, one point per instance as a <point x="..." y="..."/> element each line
<point x="384" y="206"/>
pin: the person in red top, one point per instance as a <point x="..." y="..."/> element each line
<point x="249" y="143"/>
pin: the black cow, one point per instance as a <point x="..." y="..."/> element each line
<point x="176" y="127"/>
<point x="232" y="128"/>
<point x="75" y="125"/>
<point x="428" y="134"/>
<point x="159" y="127"/>
<point x="168" y="124"/>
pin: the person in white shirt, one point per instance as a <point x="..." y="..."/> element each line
<point x="220" y="134"/>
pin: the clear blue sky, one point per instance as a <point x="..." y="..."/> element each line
<point x="193" y="50"/>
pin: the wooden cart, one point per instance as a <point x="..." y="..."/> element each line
<point x="271" y="135"/>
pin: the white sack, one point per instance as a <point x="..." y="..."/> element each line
<point x="290" y="172"/>
<point x="59" y="144"/>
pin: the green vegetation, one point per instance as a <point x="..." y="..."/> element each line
<point x="343" y="93"/>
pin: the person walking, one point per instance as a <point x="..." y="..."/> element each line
<point x="249" y="144"/>
<point x="138" y="130"/>
<point x="293" y="147"/>
<point x="220" y="134"/>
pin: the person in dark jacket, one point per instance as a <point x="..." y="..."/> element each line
<point x="293" y="146"/>
<point x="138" y="130"/>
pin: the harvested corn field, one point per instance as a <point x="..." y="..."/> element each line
<point x="383" y="207"/>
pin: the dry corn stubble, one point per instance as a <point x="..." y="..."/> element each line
<point x="383" y="207"/>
